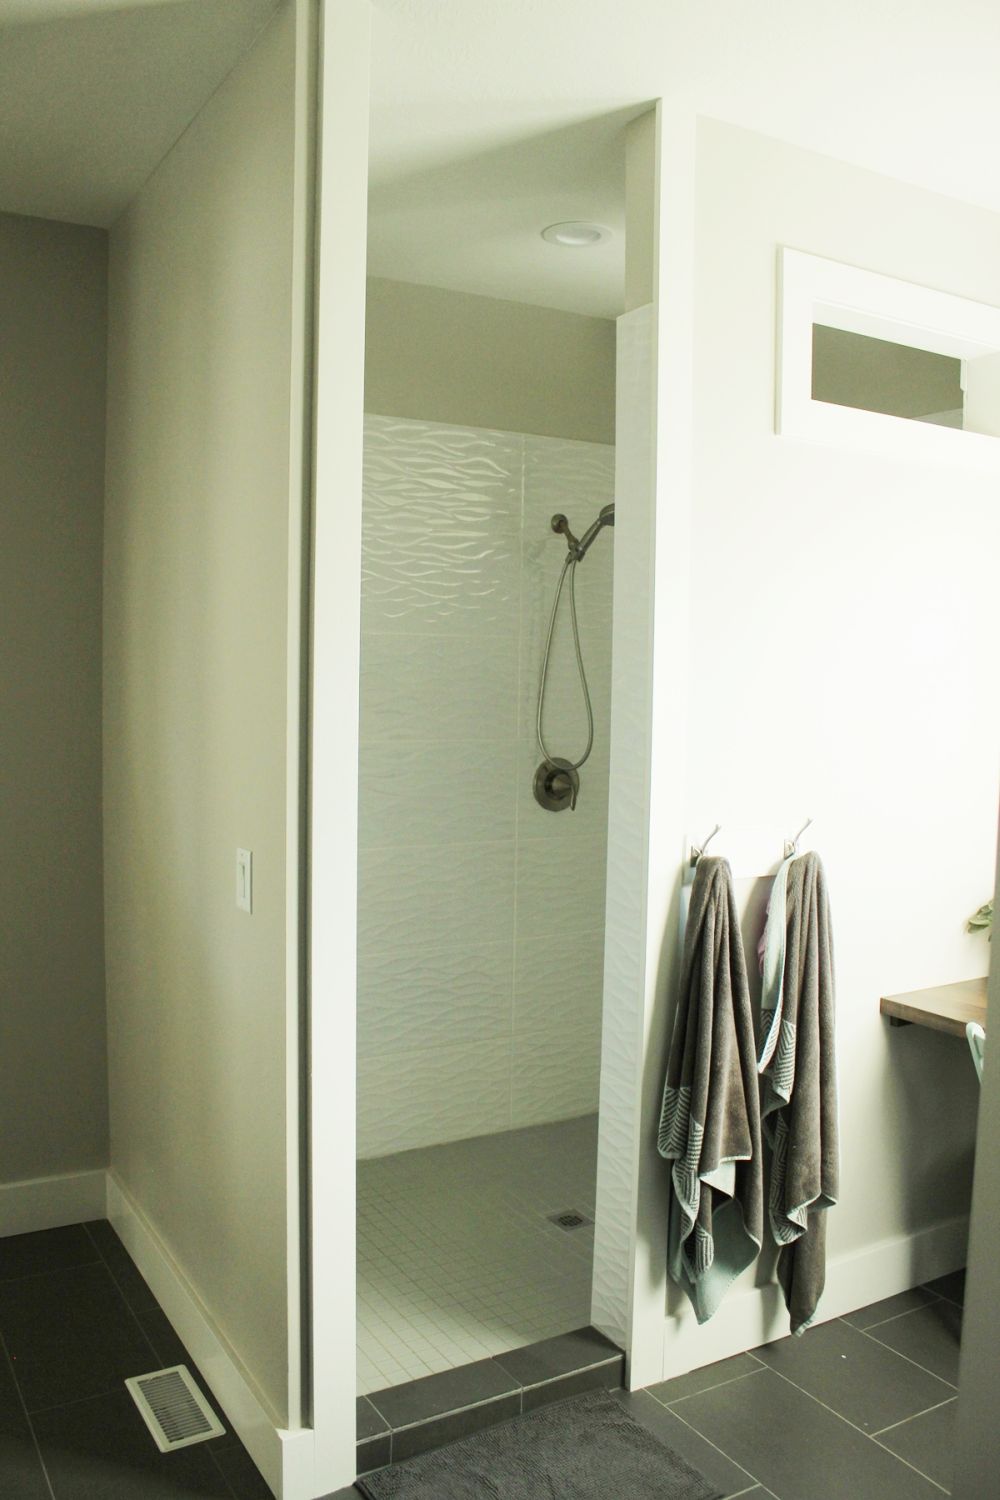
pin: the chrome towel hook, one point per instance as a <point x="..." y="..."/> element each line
<point x="696" y="852"/>
<point x="792" y="845"/>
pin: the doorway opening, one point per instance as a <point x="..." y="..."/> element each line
<point x="489" y="477"/>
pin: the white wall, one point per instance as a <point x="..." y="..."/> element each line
<point x="196" y="605"/>
<point x="840" y="626"/>
<point x="53" y="1072"/>
<point x="481" y="914"/>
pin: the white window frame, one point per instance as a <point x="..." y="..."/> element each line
<point x="814" y="290"/>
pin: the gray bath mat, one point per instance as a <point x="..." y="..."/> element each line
<point x="588" y="1448"/>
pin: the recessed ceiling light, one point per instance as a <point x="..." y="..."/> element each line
<point x="576" y="235"/>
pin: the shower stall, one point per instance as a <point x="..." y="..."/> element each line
<point x="484" y="760"/>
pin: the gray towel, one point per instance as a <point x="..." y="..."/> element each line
<point x="710" y="1120"/>
<point x="799" y="1085"/>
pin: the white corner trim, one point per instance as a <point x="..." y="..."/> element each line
<point x="51" y="1202"/>
<point x="283" y="1457"/>
<point x="757" y="1315"/>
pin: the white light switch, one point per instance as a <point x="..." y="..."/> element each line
<point x="244" y="879"/>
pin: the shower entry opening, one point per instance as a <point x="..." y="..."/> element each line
<point x="505" y="546"/>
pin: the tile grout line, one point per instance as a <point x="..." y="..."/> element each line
<point x="80" y="1265"/>
<point x="515" y="778"/>
<point x="669" y="1405"/>
<point x="691" y="1428"/>
<point x="904" y="1420"/>
<point x="218" y="1468"/>
<point x="908" y="1465"/>
<point x="27" y="1418"/>
<point x="126" y="1303"/>
<point x="833" y="1412"/>
<point x="909" y="1361"/>
<point x="895" y="1317"/>
<point x="870" y="1436"/>
<point x="518" y="1390"/>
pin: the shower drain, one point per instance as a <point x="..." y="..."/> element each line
<point x="570" y="1218"/>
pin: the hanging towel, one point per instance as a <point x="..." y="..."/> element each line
<point x="799" y="1083"/>
<point x="710" y="1120"/>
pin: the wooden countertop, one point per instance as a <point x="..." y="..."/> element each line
<point x="944" y="1007"/>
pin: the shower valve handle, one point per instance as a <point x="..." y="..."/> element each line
<point x="557" y="785"/>
<point x="564" y="785"/>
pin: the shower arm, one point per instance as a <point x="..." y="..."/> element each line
<point x="580" y="546"/>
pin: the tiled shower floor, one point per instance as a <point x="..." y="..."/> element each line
<point x="457" y="1258"/>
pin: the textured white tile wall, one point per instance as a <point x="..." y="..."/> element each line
<point x="481" y="915"/>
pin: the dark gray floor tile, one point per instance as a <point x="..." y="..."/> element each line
<point x="128" y="1278"/>
<point x="931" y="1337"/>
<point x="102" y="1234"/>
<point x="891" y="1307"/>
<point x="951" y="1286"/>
<point x="607" y="1376"/>
<point x="70" y="1335"/>
<point x="160" y="1333"/>
<point x="559" y="1356"/>
<point x="796" y="1447"/>
<point x="241" y="1473"/>
<point x="407" y="1442"/>
<point x="859" y="1379"/>
<point x="46" y="1250"/>
<point x="369" y="1421"/>
<point x="927" y="1442"/>
<point x="374" y="1453"/>
<point x="700" y="1454"/>
<point x="705" y="1378"/>
<point x="20" y="1467"/>
<point x="102" y="1450"/>
<point x="432" y="1395"/>
<point x="21" y="1472"/>
<point x="11" y="1405"/>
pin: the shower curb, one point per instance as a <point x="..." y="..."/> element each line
<point x="403" y="1420"/>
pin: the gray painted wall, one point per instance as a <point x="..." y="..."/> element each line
<point x="195" y="700"/>
<point x="977" y="1431"/>
<point x="445" y="356"/>
<point x="53" y="1107"/>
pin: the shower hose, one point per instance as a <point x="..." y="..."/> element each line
<point x="569" y="566"/>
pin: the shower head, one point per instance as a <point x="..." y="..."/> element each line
<point x="606" y="517"/>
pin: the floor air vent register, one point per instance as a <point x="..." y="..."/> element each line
<point x="173" y="1408"/>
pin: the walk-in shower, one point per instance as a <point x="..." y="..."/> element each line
<point x="557" y="780"/>
<point x="479" y="1031"/>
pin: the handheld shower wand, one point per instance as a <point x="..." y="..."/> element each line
<point x="557" y="781"/>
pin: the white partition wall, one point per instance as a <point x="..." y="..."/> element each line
<point x="333" y="861"/>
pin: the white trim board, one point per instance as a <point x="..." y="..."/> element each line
<point x="51" y="1202"/>
<point x="755" y="1316"/>
<point x="283" y="1457"/>
<point x="812" y="290"/>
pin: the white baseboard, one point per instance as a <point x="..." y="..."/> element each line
<point x="756" y="1315"/>
<point x="283" y="1457"/>
<point x="51" y="1202"/>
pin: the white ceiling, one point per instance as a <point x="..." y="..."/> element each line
<point x="93" y="93"/>
<point x="490" y="120"/>
<point x="474" y="222"/>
